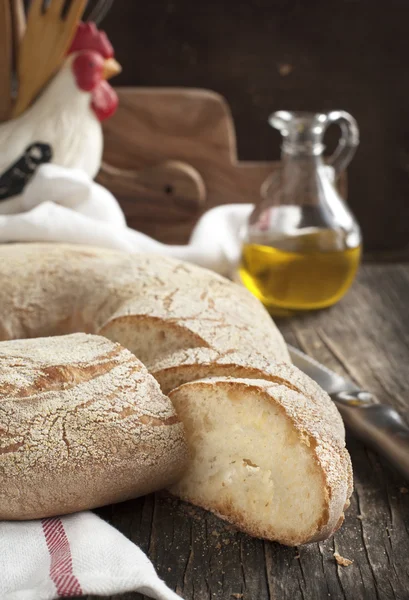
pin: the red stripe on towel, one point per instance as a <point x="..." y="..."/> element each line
<point x="61" y="571"/>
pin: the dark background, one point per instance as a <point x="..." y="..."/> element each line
<point x="265" y="55"/>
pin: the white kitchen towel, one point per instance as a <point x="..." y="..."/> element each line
<point x="65" y="205"/>
<point x="72" y="556"/>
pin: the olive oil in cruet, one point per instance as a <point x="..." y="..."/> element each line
<point x="302" y="245"/>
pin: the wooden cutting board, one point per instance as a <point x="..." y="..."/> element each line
<point x="193" y="127"/>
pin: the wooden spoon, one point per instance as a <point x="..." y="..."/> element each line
<point x="6" y="49"/>
<point x="47" y="38"/>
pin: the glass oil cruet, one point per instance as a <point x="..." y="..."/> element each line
<point x="302" y="245"/>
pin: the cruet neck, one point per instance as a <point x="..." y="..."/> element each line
<point x="303" y="135"/>
<point x="302" y="132"/>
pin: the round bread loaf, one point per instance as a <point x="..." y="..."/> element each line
<point x="250" y="416"/>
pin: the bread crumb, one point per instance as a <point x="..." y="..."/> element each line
<point x="218" y="546"/>
<point x="237" y="596"/>
<point x="344" y="562"/>
<point x="297" y="556"/>
<point x="360" y="517"/>
<point x="404" y="490"/>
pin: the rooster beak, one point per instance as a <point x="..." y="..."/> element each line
<point x="111" y="68"/>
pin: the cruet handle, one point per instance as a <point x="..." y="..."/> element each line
<point x="348" y="142"/>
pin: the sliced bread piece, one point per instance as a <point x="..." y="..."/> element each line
<point x="201" y="363"/>
<point x="263" y="458"/>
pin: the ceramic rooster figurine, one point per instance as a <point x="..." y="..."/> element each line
<point x="66" y="117"/>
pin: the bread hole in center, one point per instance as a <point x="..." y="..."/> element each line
<point x="248" y="463"/>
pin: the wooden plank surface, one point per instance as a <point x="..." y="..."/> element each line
<point x="367" y="337"/>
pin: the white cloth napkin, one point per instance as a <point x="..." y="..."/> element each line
<point x="72" y="556"/>
<point x="81" y="554"/>
<point x="65" y="205"/>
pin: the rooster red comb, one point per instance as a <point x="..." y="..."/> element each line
<point x="88" y="37"/>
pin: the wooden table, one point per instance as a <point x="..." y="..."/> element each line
<point x="201" y="557"/>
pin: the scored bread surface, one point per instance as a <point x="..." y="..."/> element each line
<point x="82" y="424"/>
<point x="191" y="328"/>
<point x="51" y="289"/>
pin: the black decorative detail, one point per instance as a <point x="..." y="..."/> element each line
<point x="13" y="181"/>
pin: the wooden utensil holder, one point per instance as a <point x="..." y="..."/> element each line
<point x="170" y="154"/>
